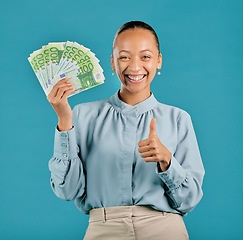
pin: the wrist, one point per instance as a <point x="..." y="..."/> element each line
<point x="64" y="124"/>
<point x="163" y="166"/>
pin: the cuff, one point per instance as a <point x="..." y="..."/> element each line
<point x="174" y="175"/>
<point x="65" y="146"/>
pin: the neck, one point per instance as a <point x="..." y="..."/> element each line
<point x="133" y="98"/>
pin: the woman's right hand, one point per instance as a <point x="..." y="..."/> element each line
<point x="58" y="99"/>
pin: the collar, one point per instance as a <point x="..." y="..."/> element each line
<point x="137" y="109"/>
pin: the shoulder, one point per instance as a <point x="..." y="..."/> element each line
<point x="90" y="107"/>
<point x="173" y="111"/>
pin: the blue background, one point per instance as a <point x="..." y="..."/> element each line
<point x="201" y="45"/>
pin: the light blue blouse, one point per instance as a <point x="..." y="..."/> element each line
<point x="97" y="162"/>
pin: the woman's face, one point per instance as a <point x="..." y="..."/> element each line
<point x="135" y="59"/>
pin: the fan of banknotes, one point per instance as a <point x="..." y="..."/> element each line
<point x="58" y="60"/>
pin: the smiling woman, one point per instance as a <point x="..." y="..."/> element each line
<point x="135" y="64"/>
<point x="130" y="162"/>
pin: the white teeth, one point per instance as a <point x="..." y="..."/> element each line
<point x="136" y="78"/>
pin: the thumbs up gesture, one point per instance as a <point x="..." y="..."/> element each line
<point x="152" y="150"/>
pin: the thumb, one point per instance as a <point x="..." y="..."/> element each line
<point x="152" y="131"/>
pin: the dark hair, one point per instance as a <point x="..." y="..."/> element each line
<point x="132" y="25"/>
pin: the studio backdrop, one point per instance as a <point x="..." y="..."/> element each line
<point x="201" y="46"/>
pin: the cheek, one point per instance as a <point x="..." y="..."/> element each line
<point x="120" y="66"/>
<point x="119" y="70"/>
<point x="151" y="67"/>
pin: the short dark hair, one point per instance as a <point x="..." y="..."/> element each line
<point x="135" y="24"/>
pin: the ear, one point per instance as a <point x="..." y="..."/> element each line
<point x="159" y="61"/>
<point x="112" y="62"/>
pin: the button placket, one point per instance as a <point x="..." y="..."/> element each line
<point x="63" y="135"/>
<point x="130" y="139"/>
<point x="64" y="145"/>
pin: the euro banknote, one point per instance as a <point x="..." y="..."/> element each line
<point x="59" y="60"/>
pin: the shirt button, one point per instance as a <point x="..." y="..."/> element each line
<point x="64" y="145"/>
<point x="63" y="134"/>
<point x="165" y="176"/>
<point x="64" y="155"/>
<point x="171" y="186"/>
<point x="65" y="162"/>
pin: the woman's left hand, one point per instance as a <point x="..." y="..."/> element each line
<point x="152" y="150"/>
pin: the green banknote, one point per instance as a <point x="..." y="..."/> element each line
<point x="37" y="60"/>
<point x="59" y="60"/>
<point x="55" y="53"/>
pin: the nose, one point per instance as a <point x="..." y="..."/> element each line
<point x="135" y="64"/>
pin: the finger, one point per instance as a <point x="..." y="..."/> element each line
<point x="152" y="131"/>
<point x="151" y="159"/>
<point x="65" y="85"/>
<point x="66" y="93"/>
<point x="144" y="149"/>
<point x="143" y="143"/>
<point x="146" y="142"/>
<point x="61" y="91"/>
<point x="63" y="80"/>
<point x="54" y="90"/>
<point x="148" y="147"/>
<point x="150" y="153"/>
<point x="62" y="85"/>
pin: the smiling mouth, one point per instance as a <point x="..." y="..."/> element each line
<point x="137" y="77"/>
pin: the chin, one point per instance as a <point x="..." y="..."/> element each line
<point x="138" y="89"/>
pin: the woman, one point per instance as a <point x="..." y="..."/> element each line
<point x="131" y="163"/>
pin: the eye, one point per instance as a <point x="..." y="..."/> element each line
<point x="123" y="57"/>
<point x="146" y="57"/>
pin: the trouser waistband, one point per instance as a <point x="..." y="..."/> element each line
<point x="105" y="213"/>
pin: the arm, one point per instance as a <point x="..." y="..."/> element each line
<point x="184" y="176"/>
<point x="67" y="175"/>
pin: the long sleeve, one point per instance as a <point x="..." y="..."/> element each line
<point x="67" y="175"/>
<point x="97" y="162"/>
<point x="183" y="179"/>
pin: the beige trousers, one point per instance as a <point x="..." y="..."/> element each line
<point x="134" y="223"/>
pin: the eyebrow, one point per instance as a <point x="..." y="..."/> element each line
<point x="140" y="51"/>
